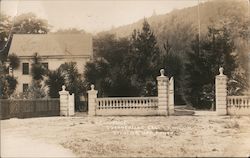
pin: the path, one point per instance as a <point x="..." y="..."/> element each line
<point x="16" y="146"/>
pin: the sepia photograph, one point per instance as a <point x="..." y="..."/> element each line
<point x="124" y="78"/>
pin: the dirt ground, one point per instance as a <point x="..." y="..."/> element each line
<point x="173" y="136"/>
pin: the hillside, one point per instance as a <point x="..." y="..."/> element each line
<point x="179" y="27"/>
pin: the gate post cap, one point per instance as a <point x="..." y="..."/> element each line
<point x="63" y="87"/>
<point x="221" y="69"/>
<point x="92" y="87"/>
<point x="162" y="72"/>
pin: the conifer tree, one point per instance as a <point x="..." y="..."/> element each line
<point x="208" y="54"/>
<point x="143" y="60"/>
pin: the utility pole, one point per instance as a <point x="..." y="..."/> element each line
<point x="248" y="42"/>
<point x="199" y="22"/>
<point x="199" y="26"/>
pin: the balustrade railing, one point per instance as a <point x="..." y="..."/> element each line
<point x="127" y="103"/>
<point x="238" y="101"/>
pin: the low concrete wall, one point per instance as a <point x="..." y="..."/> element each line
<point x="127" y="106"/>
<point x="160" y="105"/>
<point x="238" y="105"/>
<point x="131" y="112"/>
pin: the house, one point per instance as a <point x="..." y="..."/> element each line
<point x="54" y="50"/>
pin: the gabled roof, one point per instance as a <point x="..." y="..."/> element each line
<point x="51" y="44"/>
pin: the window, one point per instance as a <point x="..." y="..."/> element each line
<point x="25" y="68"/>
<point x="45" y="65"/>
<point x="25" y="87"/>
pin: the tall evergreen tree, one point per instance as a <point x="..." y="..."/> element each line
<point x="143" y="60"/>
<point x="173" y="66"/>
<point x="125" y="67"/>
<point x="208" y="54"/>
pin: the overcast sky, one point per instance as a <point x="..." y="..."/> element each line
<point x="92" y="15"/>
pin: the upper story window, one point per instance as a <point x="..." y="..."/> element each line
<point x="45" y="65"/>
<point x="25" y="68"/>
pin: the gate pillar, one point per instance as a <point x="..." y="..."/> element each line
<point x="171" y="96"/>
<point x="92" y="95"/>
<point x="71" y="104"/>
<point x="64" y="101"/>
<point x="162" y="84"/>
<point x="221" y="93"/>
<point x="67" y="103"/>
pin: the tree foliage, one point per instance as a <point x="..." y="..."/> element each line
<point x="5" y="29"/>
<point x="54" y="82"/>
<point x="72" y="78"/>
<point x="108" y="70"/>
<point x="143" y="60"/>
<point x="7" y="83"/>
<point x="208" y="54"/>
<point x="7" y="86"/>
<point x="67" y="74"/>
<point x="125" y="67"/>
<point x="14" y="61"/>
<point x="29" y="23"/>
<point x="128" y="67"/>
<point x="37" y="69"/>
<point x="70" y="31"/>
<point x="36" y="89"/>
<point x="173" y="65"/>
<point x="179" y="28"/>
<point x="26" y="23"/>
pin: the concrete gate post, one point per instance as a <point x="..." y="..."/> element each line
<point x="162" y="84"/>
<point x="92" y="95"/>
<point x="221" y="93"/>
<point x="64" y="101"/>
<point x="71" y="105"/>
<point x="171" y="96"/>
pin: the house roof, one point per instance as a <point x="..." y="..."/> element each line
<point x="51" y="44"/>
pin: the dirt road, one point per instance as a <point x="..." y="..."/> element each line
<point x="174" y="136"/>
<point x="23" y="146"/>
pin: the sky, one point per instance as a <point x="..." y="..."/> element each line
<point x="92" y="15"/>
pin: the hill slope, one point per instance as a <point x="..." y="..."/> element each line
<point x="179" y="27"/>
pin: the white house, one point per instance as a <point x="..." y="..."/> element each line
<point x="54" y="50"/>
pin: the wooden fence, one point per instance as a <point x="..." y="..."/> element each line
<point x="21" y="108"/>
